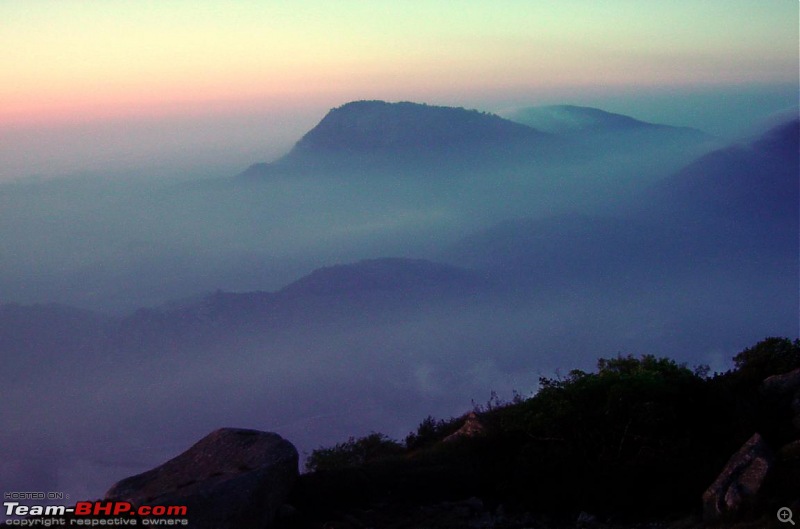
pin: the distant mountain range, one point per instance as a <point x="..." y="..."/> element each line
<point x="738" y="201"/>
<point x="618" y="138"/>
<point x="400" y="137"/>
<point x="571" y="119"/>
<point x="388" y="275"/>
<point x="732" y="212"/>
<point x="733" y="209"/>
<point x="754" y="182"/>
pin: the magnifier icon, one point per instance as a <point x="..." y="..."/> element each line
<point x="785" y="515"/>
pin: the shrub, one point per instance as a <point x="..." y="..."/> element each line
<point x="430" y="431"/>
<point x="770" y="356"/>
<point x="352" y="453"/>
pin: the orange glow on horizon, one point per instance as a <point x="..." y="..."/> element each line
<point x="161" y="101"/>
<point x="88" y="61"/>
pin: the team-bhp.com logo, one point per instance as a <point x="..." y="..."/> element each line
<point x="97" y="513"/>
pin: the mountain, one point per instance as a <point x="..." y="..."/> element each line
<point x="754" y="183"/>
<point x="368" y="289"/>
<point x="396" y="127"/>
<point x="719" y="236"/>
<point x="476" y="164"/>
<point x="388" y="275"/>
<point x="345" y="295"/>
<point x="559" y="250"/>
<point x="577" y="120"/>
<point x="381" y="133"/>
<point x="626" y="143"/>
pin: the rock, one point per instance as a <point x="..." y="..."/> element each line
<point x="740" y="481"/>
<point x="784" y="384"/>
<point x="230" y="479"/>
<point x="472" y="428"/>
<point x="790" y="451"/>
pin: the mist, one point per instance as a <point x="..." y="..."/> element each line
<point x="96" y="416"/>
<point x="223" y="139"/>
<point x="379" y="272"/>
<point x="139" y="229"/>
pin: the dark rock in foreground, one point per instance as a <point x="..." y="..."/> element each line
<point x="786" y="384"/>
<point x="740" y="481"/>
<point x="232" y="478"/>
<point x="783" y="384"/>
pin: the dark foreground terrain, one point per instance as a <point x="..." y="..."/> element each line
<point x="642" y="442"/>
<point x="635" y="444"/>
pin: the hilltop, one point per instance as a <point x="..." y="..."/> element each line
<point x="368" y="125"/>
<point x="379" y="133"/>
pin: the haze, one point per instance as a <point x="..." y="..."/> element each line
<point x="280" y="216"/>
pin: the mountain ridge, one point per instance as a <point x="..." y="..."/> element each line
<point x="560" y="119"/>
<point x="733" y="211"/>
<point x="758" y="179"/>
<point x="375" y="132"/>
<point x="402" y="136"/>
<point x="367" y="125"/>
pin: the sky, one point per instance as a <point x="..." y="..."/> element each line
<point x="89" y="85"/>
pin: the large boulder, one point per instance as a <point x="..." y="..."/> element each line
<point x="786" y="383"/>
<point x="740" y="481"/>
<point x="232" y="478"/>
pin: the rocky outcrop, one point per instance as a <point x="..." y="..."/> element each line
<point x="740" y="481"/>
<point x="230" y="479"/>
<point x="786" y="384"/>
<point x="472" y="427"/>
<point x="790" y="451"/>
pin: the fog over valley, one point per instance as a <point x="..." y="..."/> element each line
<point x="397" y="259"/>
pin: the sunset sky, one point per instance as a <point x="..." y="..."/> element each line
<point x="192" y="64"/>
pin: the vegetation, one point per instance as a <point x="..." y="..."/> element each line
<point x="354" y="452"/>
<point x="431" y="431"/>
<point x="640" y="437"/>
<point x="768" y="357"/>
